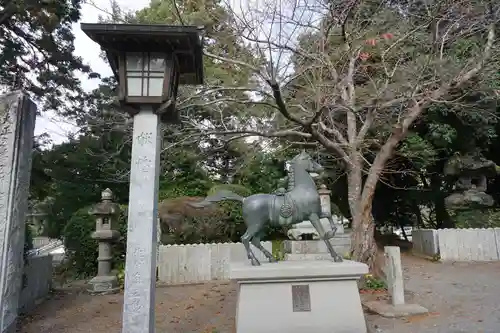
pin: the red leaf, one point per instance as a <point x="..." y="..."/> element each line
<point x="364" y="56"/>
<point x="371" y="41"/>
<point x="387" y="36"/>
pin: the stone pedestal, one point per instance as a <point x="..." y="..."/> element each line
<point x="104" y="285"/>
<point x="316" y="249"/>
<point x="299" y="296"/>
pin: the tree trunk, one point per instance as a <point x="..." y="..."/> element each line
<point x="364" y="248"/>
<point x="363" y="235"/>
<point x="405" y="236"/>
<point x="443" y="219"/>
<point x="418" y="215"/>
<point x="354" y="184"/>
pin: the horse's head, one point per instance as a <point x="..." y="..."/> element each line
<point x="305" y="160"/>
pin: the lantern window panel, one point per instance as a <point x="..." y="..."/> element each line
<point x="145" y="73"/>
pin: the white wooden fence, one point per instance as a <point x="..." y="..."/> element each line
<point x="459" y="244"/>
<point x="41" y="241"/>
<point x="425" y="241"/>
<point x="196" y="263"/>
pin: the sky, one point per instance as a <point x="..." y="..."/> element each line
<point x="58" y="129"/>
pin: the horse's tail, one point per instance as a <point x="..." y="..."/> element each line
<point x="218" y="196"/>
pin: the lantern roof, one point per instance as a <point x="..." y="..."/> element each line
<point x="183" y="41"/>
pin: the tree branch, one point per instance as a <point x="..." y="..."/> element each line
<point x="415" y="111"/>
<point x="329" y="144"/>
<point x="274" y="134"/>
<point x="278" y="97"/>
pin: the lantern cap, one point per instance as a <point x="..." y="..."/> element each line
<point x="106" y="207"/>
<point x="107" y="194"/>
<point x="323" y="189"/>
<point x="183" y="41"/>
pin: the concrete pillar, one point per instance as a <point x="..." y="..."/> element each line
<point x="140" y="265"/>
<point x="395" y="285"/>
<point x="17" y="125"/>
<point x="394" y="274"/>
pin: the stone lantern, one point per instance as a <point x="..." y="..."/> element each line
<point x="326" y="207"/>
<point x="150" y="61"/>
<point x="106" y="215"/>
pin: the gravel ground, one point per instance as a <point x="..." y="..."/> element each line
<point x="179" y="309"/>
<point x="461" y="298"/>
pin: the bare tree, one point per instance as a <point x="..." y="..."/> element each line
<point x="353" y="77"/>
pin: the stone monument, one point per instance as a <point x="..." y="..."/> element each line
<point x="106" y="214"/>
<point x="17" y="122"/>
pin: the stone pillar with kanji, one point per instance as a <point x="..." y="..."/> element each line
<point x="106" y="214"/>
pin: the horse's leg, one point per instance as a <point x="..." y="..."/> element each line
<point x="257" y="244"/>
<point x="246" y="244"/>
<point x="331" y="233"/>
<point x="252" y="230"/>
<point x="319" y="228"/>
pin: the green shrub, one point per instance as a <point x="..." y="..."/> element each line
<point x="82" y="250"/>
<point x="233" y="210"/>
<point x="120" y="273"/>
<point x="222" y="225"/>
<point x="218" y="227"/>
<point x="278" y="249"/>
<point x="476" y="218"/>
<point x="373" y="283"/>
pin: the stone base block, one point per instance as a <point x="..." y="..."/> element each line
<point x="306" y="228"/>
<point x="341" y="244"/>
<point x="308" y="256"/>
<point x="386" y="309"/>
<point x="104" y="285"/>
<point x="299" y="296"/>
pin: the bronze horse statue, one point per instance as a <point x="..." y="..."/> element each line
<point x="301" y="202"/>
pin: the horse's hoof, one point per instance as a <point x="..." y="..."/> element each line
<point x="273" y="260"/>
<point x="338" y="259"/>
<point x="255" y="262"/>
<point x="329" y="234"/>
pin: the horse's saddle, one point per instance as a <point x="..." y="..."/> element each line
<point x="284" y="201"/>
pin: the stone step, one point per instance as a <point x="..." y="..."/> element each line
<point x="308" y="256"/>
<point x="340" y="244"/>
